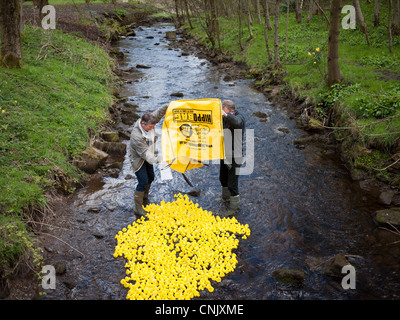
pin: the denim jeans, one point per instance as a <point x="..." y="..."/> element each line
<point x="145" y="176"/>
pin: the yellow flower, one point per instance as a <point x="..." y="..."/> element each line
<point x="309" y="53"/>
<point x="317" y="49"/>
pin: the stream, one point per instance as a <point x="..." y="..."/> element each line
<point x="301" y="204"/>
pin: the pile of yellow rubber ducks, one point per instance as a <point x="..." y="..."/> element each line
<point x="177" y="250"/>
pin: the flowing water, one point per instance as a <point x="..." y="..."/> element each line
<point x="301" y="204"/>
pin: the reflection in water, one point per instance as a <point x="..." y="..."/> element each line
<point x="301" y="205"/>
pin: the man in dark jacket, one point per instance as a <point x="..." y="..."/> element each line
<point x="234" y="125"/>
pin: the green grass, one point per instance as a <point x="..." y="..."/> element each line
<point x="62" y="93"/>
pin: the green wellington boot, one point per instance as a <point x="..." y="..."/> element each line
<point x="139" y="195"/>
<point x="233" y="206"/>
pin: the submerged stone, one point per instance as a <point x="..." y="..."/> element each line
<point x="335" y="265"/>
<point x="170" y="35"/>
<point x="389" y="217"/>
<point x="142" y="66"/>
<point x="289" y="276"/>
<point x="113" y="148"/>
<point x="386" y="197"/>
<point x="60" y="267"/>
<point x="110" y="136"/>
<point x="91" y="159"/>
<point x="314" y="124"/>
<point x="177" y="94"/>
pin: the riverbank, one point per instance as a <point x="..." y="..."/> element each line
<point x="361" y="115"/>
<point x="52" y="110"/>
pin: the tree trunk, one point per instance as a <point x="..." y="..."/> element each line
<point x="249" y="11"/>
<point x="376" y="14"/>
<point x="258" y="11"/>
<point x="389" y="26"/>
<point x="240" y="24"/>
<point x="42" y="3"/>
<point x="188" y="14"/>
<point x="214" y="21"/>
<point x="178" y="16"/>
<point x="319" y="9"/>
<point x="227" y="9"/>
<point x="249" y="20"/>
<point x="395" y="23"/>
<point x="298" y="11"/>
<point x="286" y="30"/>
<point x="316" y="7"/>
<point x="276" y="38"/>
<point x="39" y="4"/>
<point x="21" y="25"/>
<point x="333" y="43"/>
<point x="266" y="28"/>
<point x="360" y="19"/>
<point x="311" y="6"/>
<point x="359" y="16"/>
<point x="210" y="23"/>
<point x="11" y="54"/>
<point x="266" y="15"/>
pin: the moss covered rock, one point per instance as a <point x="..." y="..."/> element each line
<point x="91" y="159"/>
<point x="387" y="217"/>
<point x="335" y="265"/>
<point x="110" y="136"/>
<point x="289" y="276"/>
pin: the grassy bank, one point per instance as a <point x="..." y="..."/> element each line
<point x="49" y="111"/>
<point x="366" y="104"/>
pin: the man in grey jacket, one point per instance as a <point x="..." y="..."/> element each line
<point x="142" y="154"/>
